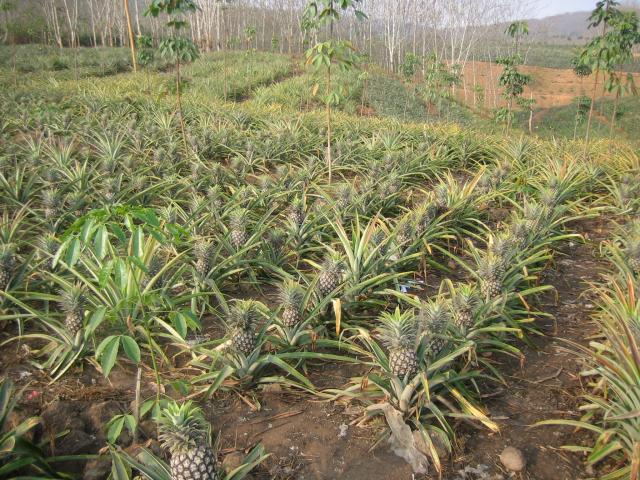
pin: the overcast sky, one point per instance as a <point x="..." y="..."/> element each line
<point x="554" y="7"/>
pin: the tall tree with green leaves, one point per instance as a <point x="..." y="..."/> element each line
<point x="329" y="54"/>
<point x="177" y="48"/>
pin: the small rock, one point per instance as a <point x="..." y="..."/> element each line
<point x="232" y="461"/>
<point x="76" y="442"/>
<point x="513" y="459"/>
<point x="343" y="430"/>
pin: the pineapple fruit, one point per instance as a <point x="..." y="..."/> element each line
<point x="7" y="264"/>
<point x="464" y="302"/>
<point x="296" y="212"/>
<point x="242" y="321"/>
<point x="72" y="302"/>
<point x="238" y="228"/>
<point x="184" y="432"/>
<point x="434" y="318"/>
<point x="291" y="298"/>
<point x="491" y="273"/>
<point x="398" y="333"/>
<point x="632" y="251"/>
<point x="154" y="267"/>
<point x="202" y="251"/>
<point x="48" y="245"/>
<point x="330" y="275"/>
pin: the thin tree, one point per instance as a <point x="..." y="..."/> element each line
<point x="595" y="53"/>
<point x="326" y="54"/>
<point x="176" y="48"/>
<point x="130" y="30"/>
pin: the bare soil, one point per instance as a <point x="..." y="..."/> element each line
<point x="551" y="87"/>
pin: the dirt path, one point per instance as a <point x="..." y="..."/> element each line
<point x="547" y="385"/>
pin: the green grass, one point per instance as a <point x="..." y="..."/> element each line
<point x="559" y="122"/>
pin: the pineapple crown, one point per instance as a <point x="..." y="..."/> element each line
<point x="425" y="213"/>
<point x="489" y="266"/>
<point x="72" y="298"/>
<point x="243" y="315"/>
<point x="398" y="330"/>
<point x="291" y="294"/>
<point x="465" y="298"/>
<point x="549" y="197"/>
<point x="533" y="211"/>
<point x="632" y="247"/>
<point x="49" y="244"/>
<point x="442" y="195"/>
<point x="500" y="245"/>
<point x="182" y="427"/>
<point x="202" y="249"/>
<point x="50" y="197"/>
<point x="434" y="316"/>
<point x="333" y="264"/>
<point x="238" y="218"/>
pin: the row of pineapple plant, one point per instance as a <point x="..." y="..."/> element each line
<point x="610" y="400"/>
<point x="120" y="243"/>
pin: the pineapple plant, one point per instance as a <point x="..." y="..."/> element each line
<point x="442" y="197"/>
<point x="48" y="245"/>
<point x="379" y="241"/>
<point x="434" y="318"/>
<point x="202" y="252"/>
<point x="424" y="214"/>
<point x="72" y="302"/>
<point x="8" y="263"/>
<point x="183" y="431"/>
<point x="464" y="302"/>
<point x="330" y="275"/>
<point x="238" y="228"/>
<point x="51" y="203"/>
<point x="398" y="334"/>
<point x="405" y="230"/>
<point x="243" y="317"/>
<point x="296" y="212"/>
<point x="291" y="297"/>
<point x="533" y="215"/>
<point x="632" y="252"/>
<point x="490" y="272"/>
<point x="344" y="196"/>
<point x="155" y="265"/>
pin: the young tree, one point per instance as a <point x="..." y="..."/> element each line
<point x="326" y="55"/>
<point x="622" y="38"/>
<point x="177" y="48"/>
<point x="511" y="79"/>
<point x="596" y="54"/>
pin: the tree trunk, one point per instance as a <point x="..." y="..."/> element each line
<point x="131" y="41"/>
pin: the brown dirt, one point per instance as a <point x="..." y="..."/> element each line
<point x="551" y="87"/>
<point x="547" y="384"/>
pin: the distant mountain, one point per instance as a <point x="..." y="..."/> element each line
<point x="567" y="27"/>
